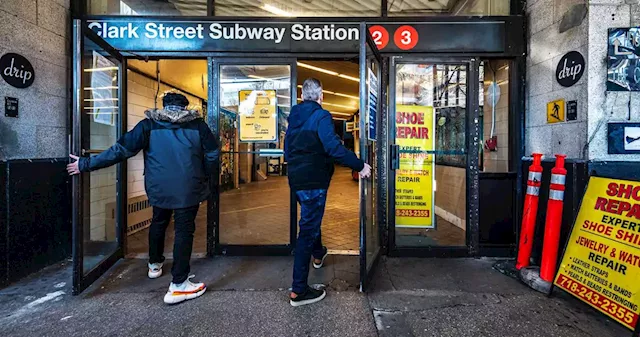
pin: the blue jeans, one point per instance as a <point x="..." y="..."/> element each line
<point x="312" y="203"/>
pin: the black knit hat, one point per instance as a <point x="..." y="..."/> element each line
<point x="174" y="99"/>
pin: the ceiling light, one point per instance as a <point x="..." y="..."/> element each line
<point x="340" y="113"/>
<point x="101" y="88"/>
<point x="276" y="10"/>
<point x="322" y="70"/>
<point x="90" y="70"/>
<point x="330" y="72"/>
<point x="349" y="77"/>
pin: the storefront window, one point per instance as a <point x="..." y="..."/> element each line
<point x="147" y="7"/>
<point x="298" y="8"/>
<point x="448" y="7"/>
<point x="430" y="188"/>
<point x="494" y="107"/>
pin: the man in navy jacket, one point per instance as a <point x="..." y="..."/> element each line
<point x="179" y="156"/>
<point x="311" y="150"/>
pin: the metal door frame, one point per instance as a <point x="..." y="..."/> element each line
<point x="214" y="247"/>
<point x="366" y="40"/>
<point x="83" y="280"/>
<point x="472" y="171"/>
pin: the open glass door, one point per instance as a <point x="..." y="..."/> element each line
<point x="98" y="203"/>
<point x="255" y="213"/>
<point x="370" y="103"/>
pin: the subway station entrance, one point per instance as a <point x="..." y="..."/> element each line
<point x="424" y="102"/>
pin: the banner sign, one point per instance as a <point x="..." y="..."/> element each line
<point x="150" y="35"/>
<point x="415" y="176"/>
<point x="623" y="59"/>
<point x="258" y="117"/>
<point x="372" y="105"/>
<point x="601" y="264"/>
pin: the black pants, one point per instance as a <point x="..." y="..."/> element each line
<point x="185" y="226"/>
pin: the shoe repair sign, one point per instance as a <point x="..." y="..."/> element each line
<point x="601" y="263"/>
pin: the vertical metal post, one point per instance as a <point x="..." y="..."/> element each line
<point x="473" y="144"/>
<point x="213" y="204"/>
<point x="76" y="181"/>
<point x="293" y="199"/>
<point x="122" y="171"/>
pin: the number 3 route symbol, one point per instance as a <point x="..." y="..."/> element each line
<point x="380" y="36"/>
<point x="405" y="37"/>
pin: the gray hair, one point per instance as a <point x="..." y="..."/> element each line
<point x="311" y="89"/>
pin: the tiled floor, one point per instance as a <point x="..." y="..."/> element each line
<point x="258" y="214"/>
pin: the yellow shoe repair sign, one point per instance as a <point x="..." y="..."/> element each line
<point x="601" y="264"/>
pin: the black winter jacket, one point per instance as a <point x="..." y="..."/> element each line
<point x="179" y="156"/>
<point x="311" y="147"/>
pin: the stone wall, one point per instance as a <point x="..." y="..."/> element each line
<point x="605" y="106"/>
<point x="40" y="31"/>
<point x="555" y="28"/>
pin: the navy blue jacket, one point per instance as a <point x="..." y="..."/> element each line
<point x="179" y="156"/>
<point x="311" y="148"/>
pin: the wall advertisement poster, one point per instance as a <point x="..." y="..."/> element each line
<point x="258" y="116"/>
<point x="601" y="264"/>
<point x="415" y="176"/>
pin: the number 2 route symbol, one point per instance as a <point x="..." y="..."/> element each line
<point x="405" y="37"/>
<point x="380" y="36"/>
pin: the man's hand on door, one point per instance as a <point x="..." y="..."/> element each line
<point x="72" y="167"/>
<point x="366" y="171"/>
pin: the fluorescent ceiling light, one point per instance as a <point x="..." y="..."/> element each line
<point x="349" y="77"/>
<point x="275" y="10"/>
<point x="101" y="88"/>
<point x="330" y="72"/>
<point x="340" y="113"/>
<point x="90" y="70"/>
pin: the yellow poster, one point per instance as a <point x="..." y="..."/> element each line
<point x="258" y="116"/>
<point x="601" y="265"/>
<point x="414" y="178"/>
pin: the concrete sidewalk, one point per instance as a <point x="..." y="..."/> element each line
<point x="247" y="296"/>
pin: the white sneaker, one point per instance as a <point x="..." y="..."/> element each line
<point x="155" y="270"/>
<point x="186" y="291"/>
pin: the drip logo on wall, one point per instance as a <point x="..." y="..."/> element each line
<point x="17" y="70"/>
<point x="570" y="69"/>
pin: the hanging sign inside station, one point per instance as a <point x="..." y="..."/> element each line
<point x="146" y="35"/>
<point x="415" y="175"/>
<point x="623" y="59"/>
<point x="601" y="263"/>
<point x="570" y="69"/>
<point x="555" y="111"/>
<point x="372" y="105"/>
<point x="258" y="116"/>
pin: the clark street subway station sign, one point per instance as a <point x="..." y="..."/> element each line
<point x="148" y="35"/>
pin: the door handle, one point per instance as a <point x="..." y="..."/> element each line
<point x="395" y="156"/>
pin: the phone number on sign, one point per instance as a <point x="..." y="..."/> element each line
<point x="418" y="213"/>
<point x="606" y="305"/>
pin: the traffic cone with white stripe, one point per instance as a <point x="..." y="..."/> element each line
<point x="553" y="221"/>
<point x="530" y="212"/>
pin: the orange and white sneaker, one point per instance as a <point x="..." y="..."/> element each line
<point x="186" y="291"/>
<point x="155" y="270"/>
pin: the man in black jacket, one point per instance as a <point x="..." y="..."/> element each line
<point x="179" y="156"/>
<point x="311" y="150"/>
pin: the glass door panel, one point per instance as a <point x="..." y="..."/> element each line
<point x="370" y="103"/>
<point x="255" y="200"/>
<point x="97" y="124"/>
<point x="429" y="202"/>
